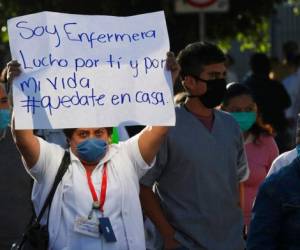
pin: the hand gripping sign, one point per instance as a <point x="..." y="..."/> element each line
<point x="90" y="71"/>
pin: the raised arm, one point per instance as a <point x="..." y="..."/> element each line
<point x="27" y="144"/>
<point x="152" y="136"/>
<point x="25" y="140"/>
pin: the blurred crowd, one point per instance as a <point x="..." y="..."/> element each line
<point x="225" y="177"/>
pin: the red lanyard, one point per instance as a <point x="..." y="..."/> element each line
<point x="103" y="187"/>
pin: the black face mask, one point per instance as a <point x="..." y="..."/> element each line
<point x="214" y="95"/>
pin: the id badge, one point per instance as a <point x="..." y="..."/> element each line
<point x="106" y="229"/>
<point x="85" y="226"/>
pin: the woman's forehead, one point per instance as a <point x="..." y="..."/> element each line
<point x="89" y="129"/>
<point x="241" y="100"/>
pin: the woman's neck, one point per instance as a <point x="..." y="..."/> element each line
<point x="89" y="167"/>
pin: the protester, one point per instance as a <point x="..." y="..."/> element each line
<point x="93" y="164"/>
<point x="200" y="163"/>
<point x="261" y="149"/>
<point x="15" y="184"/>
<point x="270" y="97"/>
<point x="275" y="218"/>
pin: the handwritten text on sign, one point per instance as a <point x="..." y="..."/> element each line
<point x="91" y="71"/>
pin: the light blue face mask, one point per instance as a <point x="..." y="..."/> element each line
<point x="244" y="119"/>
<point x="92" y="150"/>
<point x="4" y="118"/>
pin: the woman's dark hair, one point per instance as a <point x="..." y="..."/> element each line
<point x="69" y="131"/>
<point x="195" y="56"/>
<point x="258" y="128"/>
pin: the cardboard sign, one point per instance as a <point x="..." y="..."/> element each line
<point x="91" y="71"/>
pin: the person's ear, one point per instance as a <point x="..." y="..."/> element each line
<point x="189" y="83"/>
<point x="193" y="86"/>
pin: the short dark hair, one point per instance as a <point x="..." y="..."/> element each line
<point x="195" y="56"/>
<point x="70" y="131"/>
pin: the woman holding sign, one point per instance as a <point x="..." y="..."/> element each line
<point x="96" y="205"/>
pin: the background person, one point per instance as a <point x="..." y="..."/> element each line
<point x="283" y="160"/>
<point x="276" y="213"/>
<point x="261" y="149"/>
<point x="15" y="184"/>
<point x="287" y="158"/>
<point x="283" y="68"/>
<point x="270" y="96"/>
<point x="292" y="85"/>
<point x="200" y="164"/>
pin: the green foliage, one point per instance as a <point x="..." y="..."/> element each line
<point x="258" y="40"/>
<point x="224" y="44"/>
<point x="296" y="6"/>
<point x="247" y="22"/>
<point x="4" y="35"/>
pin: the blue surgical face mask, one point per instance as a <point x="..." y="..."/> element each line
<point x="244" y="119"/>
<point x="4" y="118"/>
<point x="92" y="150"/>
